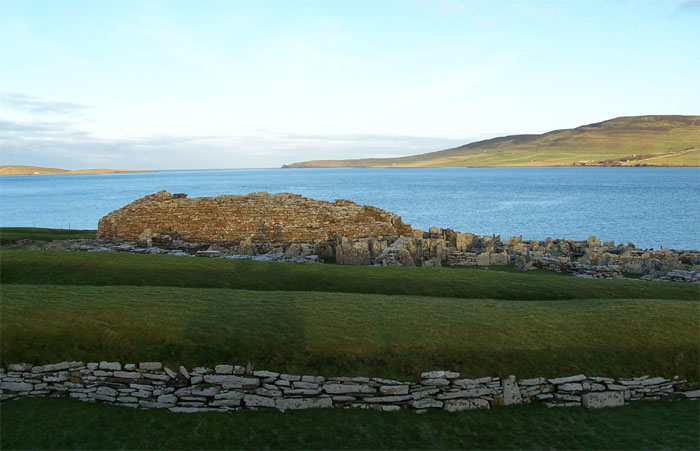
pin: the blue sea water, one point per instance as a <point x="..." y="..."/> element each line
<point x="650" y="207"/>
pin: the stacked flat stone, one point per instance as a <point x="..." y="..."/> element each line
<point x="150" y="385"/>
<point x="243" y="220"/>
<point x="289" y="227"/>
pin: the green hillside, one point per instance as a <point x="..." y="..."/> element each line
<point x="624" y="141"/>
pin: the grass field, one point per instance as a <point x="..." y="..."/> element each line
<point x="350" y="334"/>
<point x="10" y="235"/>
<point x="69" y="424"/>
<point x="99" y="269"/>
<point x="342" y="320"/>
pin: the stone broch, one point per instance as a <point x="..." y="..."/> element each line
<point x="257" y="217"/>
<point x="292" y="228"/>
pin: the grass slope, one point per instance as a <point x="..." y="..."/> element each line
<point x="70" y="424"/>
<point x="10" y="235"/>
<point x="77" y="268"/>
<point x="350" y="334"/>
<point x="625" y="141"/>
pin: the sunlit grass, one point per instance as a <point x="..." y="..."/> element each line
<point x="350" y="334"/>
<point x="82" y="268"/>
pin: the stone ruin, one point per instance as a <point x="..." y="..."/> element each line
<point x="289" y="227"/>
<point x="252" y="224"/>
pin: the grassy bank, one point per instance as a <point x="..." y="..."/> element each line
<point x="69" y="424"/>
<point x="350" y="334"/>
<point x="623" y="141"/>
<point x="77" y="268"/>
<point x="9" y="235"/>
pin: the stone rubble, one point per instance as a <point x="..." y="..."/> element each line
<point x="292" y="228"/>
<point x="151" y="385"/>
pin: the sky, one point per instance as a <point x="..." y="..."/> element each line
<point x="235" y="84"/>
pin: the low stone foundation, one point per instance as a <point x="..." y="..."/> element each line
<point x="150" y="385"/>
<point x="289" y="227"/>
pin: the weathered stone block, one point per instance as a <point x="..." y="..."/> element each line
<point x="387" y="399"/>
<point x="54" y="367"/>
<point x="16" y="386"/>
<point x="19" y="367"/>
<point x="265" y="374"/>
<point x="458" y="405"/>
<point x="393" y="389"/>
<point x="424" y="392"/>
<point x="426" y="403"/>
<point x="339" y="389"/>
<point x="535" y="381"/>
<point x="106" y="391"/>
<point x="157" y="377"/>
<point x="511" y="391"/>
<point x="469" y="393"/>
<point x="127" y="374"/>
<point x="599" y="400"/>
<point x="258" y="401"/>
<point x="564" y="380"/>
<point x="233" y="381"/>
<point x="167" y="399"/>
<point x="441" y="382"/>
<point x="226" y="402"/>
<point x="223" y="369"/>
<point x="570" y="387"/>
<point x="303" y="403"/>
<point x="692" y="394"/>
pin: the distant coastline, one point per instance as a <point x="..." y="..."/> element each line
<point x="38" y="170"/>
<point x="636" y="141"/>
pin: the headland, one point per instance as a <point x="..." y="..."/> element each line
<point x="38" y="170"/>
<point x="624" y="141"/>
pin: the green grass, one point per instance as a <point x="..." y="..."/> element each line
<point x="350" y="334"/>
<point x="69" y="424"/>
<point x="9" y="235"/>
<point x="649" y="140"/>
<point x="82" y="268"/>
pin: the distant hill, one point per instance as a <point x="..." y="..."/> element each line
<point x="624" y="141"/>
<point x="38" y="170"/>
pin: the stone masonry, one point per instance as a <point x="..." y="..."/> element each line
<point x="289" y="227"/>
<point x="257" y="218"/>
<point x="228" y="387"/>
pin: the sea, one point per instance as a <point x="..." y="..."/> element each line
<point x="650" y="207"/>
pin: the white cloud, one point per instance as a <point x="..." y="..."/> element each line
<point x="62" y="145"/>
<point x="31" y="104"/>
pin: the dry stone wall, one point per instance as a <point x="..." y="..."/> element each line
<point x="246" y="221"/>
<point x="289" y="227"/>
<point x="151" y="385"/>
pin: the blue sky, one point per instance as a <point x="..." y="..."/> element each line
<point x="223" y="84"/>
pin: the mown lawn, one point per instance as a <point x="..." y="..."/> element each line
<point x="70" y="424"/>
<point x="350" y="334"/>
<point x="83" y="268"/>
